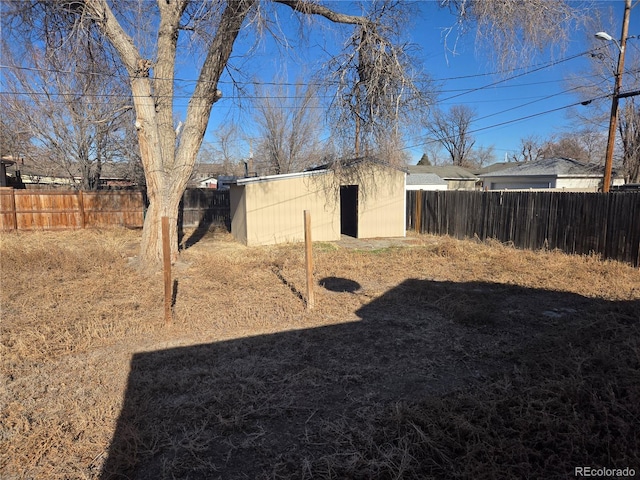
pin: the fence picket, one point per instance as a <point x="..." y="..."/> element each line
<point x="59" y="210"/>
<point x="607" y="224"/>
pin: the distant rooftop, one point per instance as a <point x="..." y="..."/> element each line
<point x="556" y="166"/>
<point x="425" y="179"/>
<point x="446" y="172"/>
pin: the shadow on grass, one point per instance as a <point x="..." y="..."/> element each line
<point x="437" y="380"/>
<point x="208" y="208"/>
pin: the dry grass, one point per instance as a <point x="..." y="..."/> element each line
<point x="450" y="359"/>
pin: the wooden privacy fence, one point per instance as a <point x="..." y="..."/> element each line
<point x="203" y="207"/>
<point x="61" y="210"/>
<point x="582" y="223"/>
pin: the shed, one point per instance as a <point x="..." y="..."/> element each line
<point x="363" y="199"/>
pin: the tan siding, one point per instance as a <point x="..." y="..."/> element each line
<point x="270" y="211"/>
<point x="237" y="202"/>
<point x="381" y="208"/>
<point x="275" y="210"/>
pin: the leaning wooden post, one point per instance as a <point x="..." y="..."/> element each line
<point x="418" y="215"/>
<point x="166" y="254"/>
<point x="308" y="258"/>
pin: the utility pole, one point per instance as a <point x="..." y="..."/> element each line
<point x="611" y="139"/>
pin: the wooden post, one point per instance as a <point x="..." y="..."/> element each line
<point x="14" y="208"/>
<point x="166" y="254"/>
<point x="81" y="206"/>
<point x="308" y="258"/>
<point x="418" y="215"/>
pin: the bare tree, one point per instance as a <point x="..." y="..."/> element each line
<point x="73" y="105"/>
<point x="629" y="128"/>
<point x="147" y="37"/>
<point x="168" y="159"/>
<point x="452" y="130"/>
<point x="567" y="145"/>
<point x="378" y="89"/>
<point x="14" y="143"/>
<point x="529" y="149"/>
<point x="515" y="30"/>
<point x="290" y="123"/>
<point x="222" y="156"/>
<point x="481" y="156"/>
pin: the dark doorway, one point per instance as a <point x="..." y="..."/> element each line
<point x="349" y="210"/>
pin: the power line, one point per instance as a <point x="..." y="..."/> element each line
<point x="493" y="84"/>
<point x="231" y="82"/>
<point x="515" y="120"/>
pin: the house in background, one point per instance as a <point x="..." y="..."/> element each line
<point x="445" y="177"/>
<point x="550" y="173"/>
<point x="366" y="199"/>
<point x="207" y="182"/>
<point x="47" y="174"/>
<point x="5" y="180"/>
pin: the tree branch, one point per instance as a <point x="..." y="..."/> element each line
<point x="309" y="8"/>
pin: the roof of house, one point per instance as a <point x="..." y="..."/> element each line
<point x="424" y="179"/>
<point x="46" y="168"/>
<point x="557" y="166"/>
<point x="446" y="172"/>
<point x="494" y="167"/>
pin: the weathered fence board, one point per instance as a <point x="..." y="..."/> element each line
<point x="7" y="209"/>
<point x="581" y="223"/>
<point x="62" y="210"/>
<point x="202" y="207"/>
<point x="123" y="208"/>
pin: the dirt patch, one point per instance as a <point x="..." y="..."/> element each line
<point x="440" y="359"/>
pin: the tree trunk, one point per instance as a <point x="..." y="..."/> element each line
<point x="163" y="203"/>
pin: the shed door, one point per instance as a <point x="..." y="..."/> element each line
<point x="349" y="210"/>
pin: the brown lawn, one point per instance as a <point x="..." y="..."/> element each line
<point x="436" y="359"/>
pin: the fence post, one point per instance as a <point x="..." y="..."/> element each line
<point x="14" y="208"/>
<point x="308" y="258"/>
<point x="418" y="215"/>
<point x="81" y="204"/>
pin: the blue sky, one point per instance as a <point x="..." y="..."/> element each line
<point x="508" y="109"/>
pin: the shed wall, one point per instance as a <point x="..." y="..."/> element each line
<point x="381" y="209"/>
<point x="274" y="210"/>
<point x="238" y="213"/>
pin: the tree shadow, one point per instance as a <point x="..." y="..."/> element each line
<point x="338" y="284"/>
<point x="282" y="405"/>
<point x="204" y="209"/>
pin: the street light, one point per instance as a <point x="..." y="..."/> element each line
<point x="611" y="139"/>
<point x="607" y="37"/>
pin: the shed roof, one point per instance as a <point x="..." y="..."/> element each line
<point x="283" y="176"/>
<point x="319" y="170"/>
